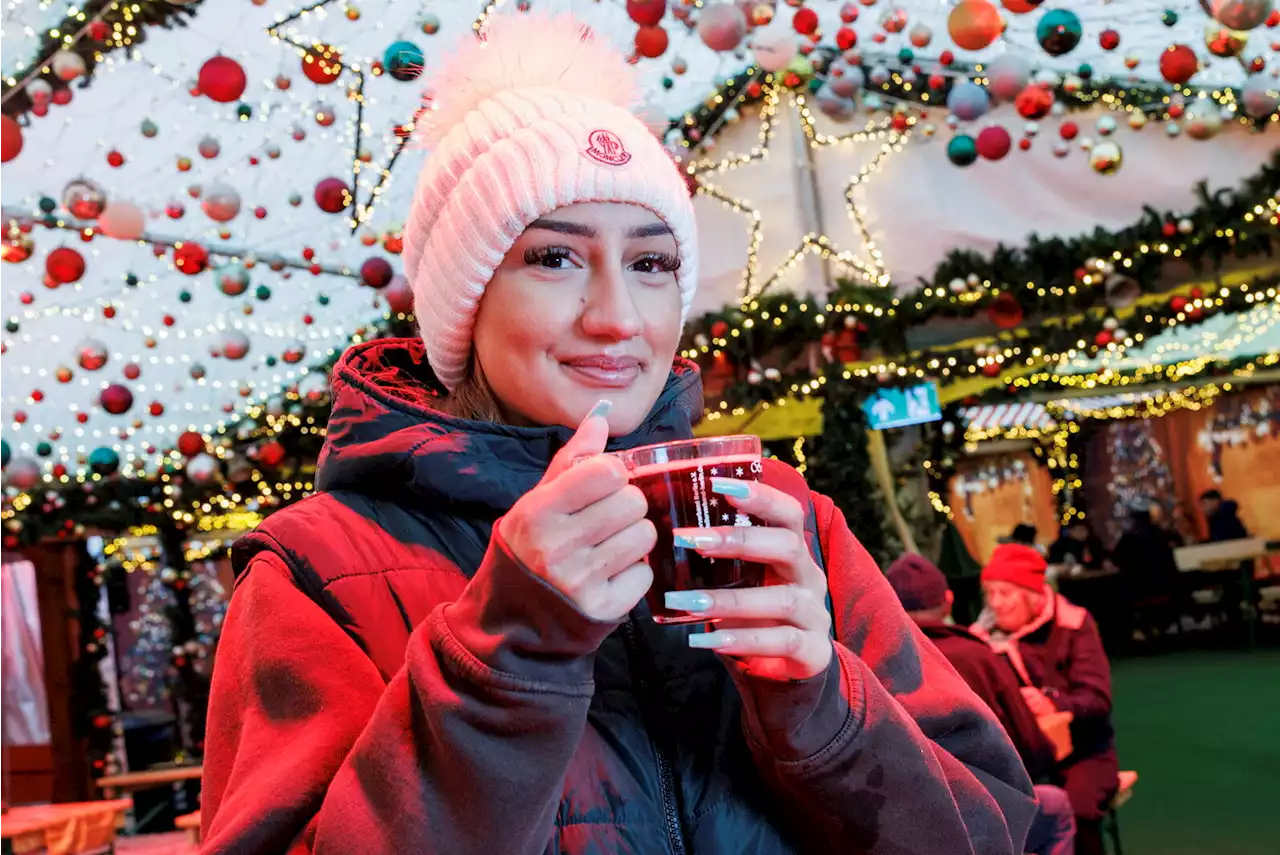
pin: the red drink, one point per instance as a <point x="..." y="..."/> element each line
<point x="676" y="481"/>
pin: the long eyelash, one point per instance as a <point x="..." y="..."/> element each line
<point x="541" y="254"/>
<point x="666" y="262"/>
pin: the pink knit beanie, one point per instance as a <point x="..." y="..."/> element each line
<point x="533" y="116"/>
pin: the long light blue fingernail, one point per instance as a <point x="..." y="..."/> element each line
<point x="731" y="487"/>
<point x="602" y="408"/>
<point x="710" y="640"/>
<point x="687" y="601"/>
<point x="693" y="540"/>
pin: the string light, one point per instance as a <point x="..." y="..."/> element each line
<point x="870" y="268"/>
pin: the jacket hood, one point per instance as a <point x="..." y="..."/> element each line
<point x="386" y="436"/>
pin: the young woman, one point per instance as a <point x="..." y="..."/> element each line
<point x="446" y="649"/>
<point x="1055" y="648"/>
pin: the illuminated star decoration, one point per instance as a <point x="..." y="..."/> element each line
<point x="868" y="267"/>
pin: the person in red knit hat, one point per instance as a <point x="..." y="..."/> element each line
<point x="1055" y="648"/>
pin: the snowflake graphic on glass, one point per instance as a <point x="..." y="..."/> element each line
<point x="675" y="478"/>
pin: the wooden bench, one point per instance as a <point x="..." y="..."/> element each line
<point x="190" y="823"/>
<point x="1127" y="780"/>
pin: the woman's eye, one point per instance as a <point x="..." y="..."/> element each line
<point x="552" y="258"/>
<point x="656" y="263"/>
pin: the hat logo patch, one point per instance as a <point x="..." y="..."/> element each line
<point x="606" y="147"/>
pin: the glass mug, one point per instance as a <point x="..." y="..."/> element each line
<point x="675" y="478"/>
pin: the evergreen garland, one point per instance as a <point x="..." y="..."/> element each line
<point x="840" y="468"/>
<point x="94" y="719"/>
<point x="112" y="20"/>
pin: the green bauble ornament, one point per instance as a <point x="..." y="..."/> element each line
<point x="262" y="292"/>
<point x="906" y="56"/>
<point x="149" y="129"/>
<point x="323" y="299"/>
<point x="48" y="205"/>
<point x="245" y="112"/>
<point x="668" y="83"/>
<point x="271" y="361"/>
<point x="184" y="296"/>
<point x="962" y="150"/>
<point x="44" y="449"/>
<point x="1169" y="18"/>
<point x="131" y="280"/>
<point x="104" y="460"/>
<point x="1085" y="71"/>
<point x="5" y="452"/>
<point x="12" y="325"/>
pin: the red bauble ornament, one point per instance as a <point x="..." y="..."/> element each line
<point x="132" y="371"/>
<point x="1024" y="144"/>
<point x="115" y="159"/>
<point x="1005" y="311"/>
<point x="376" y="272"/>
<point x="322" y="64"/>
<point x="846" y="38"/>
<point x="332" y="195"/>
<point x="64" y="265"/>
<point x="221" y="79"/>
<point x="974" y="24"/>
<point x="156" y="408"/>
<point x="946" y="58"/>
<point x="1178" y="64"/>
<point x="190" y="257"/>
<point x="190" y="444"/>
<point x="994" y="142"/>
<point x="116" y="399"/>
<point x="651" y="42"/>
<point x="1022" y="7"/>
<point x="646" y="13"/>
<point x="1169" y="228"/>
<point x="1068" y="130"/>
<point x="399" y="296"/>
<point x="1103" y="338"/>
<point x="1109" y="39"/>
<point x="1034" y="102"/>
<point x="991" y="369"/>
<point x="270" y="453"/>
<point x="805" y="21"/>
<point x="1179" y="304"/>
<point x="10" y="138"/>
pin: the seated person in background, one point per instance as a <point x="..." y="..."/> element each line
<point x="1077" y="544"/>
<point x="1054" y="648"/>
<point x="1222" y="517"/>
<point x="927" y="600"/>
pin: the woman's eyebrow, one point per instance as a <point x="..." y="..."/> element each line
<point x="650" y="230"/>
<point x="564" y="227"/>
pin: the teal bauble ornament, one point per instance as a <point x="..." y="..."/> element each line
<point x="104" y="461"/>
<point x="962" y="150"/>
<point x="1059" y="31"/>
<point x="403" y="60"/>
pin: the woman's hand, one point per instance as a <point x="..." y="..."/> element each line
<point x="1038" y="701"/>
<point x="583" y="530"/>
<point x="781" y="630"/>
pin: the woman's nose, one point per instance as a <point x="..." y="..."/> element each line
<point x="610" y="310"/>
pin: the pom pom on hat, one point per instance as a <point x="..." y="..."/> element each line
<point x="1018" y="564"/>
<point x="536" y="117"/>
<point x="526" y="51"/>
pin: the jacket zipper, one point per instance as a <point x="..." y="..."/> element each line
<point x="637" y="662"/>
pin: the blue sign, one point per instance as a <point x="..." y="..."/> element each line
<point x="894" y="408"/>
